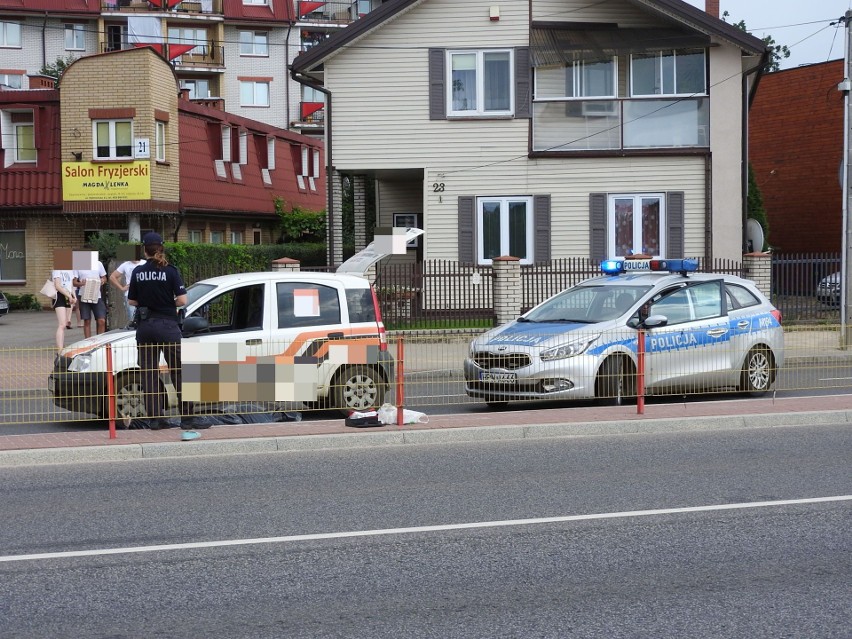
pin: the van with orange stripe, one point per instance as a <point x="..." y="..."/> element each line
<point x="320" y="333"/>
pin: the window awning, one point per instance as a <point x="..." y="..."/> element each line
<point x="557" y="43"/>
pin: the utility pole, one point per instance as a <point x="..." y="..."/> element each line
<point x="846" y="258"/>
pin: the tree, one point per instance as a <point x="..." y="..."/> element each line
<point x="56" y="69"/>
<point x="779" y="51"/>
<point x="755" y="207"/>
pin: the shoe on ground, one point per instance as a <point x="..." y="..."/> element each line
<point x="189" y="435"/>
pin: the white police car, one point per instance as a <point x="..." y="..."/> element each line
<point x="702" y="332"/>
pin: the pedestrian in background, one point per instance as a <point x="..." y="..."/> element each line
<point x="157" y="291"/>
<point x="65" y="298"/>
<point x="124" y="271"/>
<point x="95" y="304"/>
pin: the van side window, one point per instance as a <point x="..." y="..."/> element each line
<point x="302" y="304"/>
<point x="360" y="304"/>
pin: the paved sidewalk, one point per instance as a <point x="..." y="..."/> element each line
<point x="34" y="329"/>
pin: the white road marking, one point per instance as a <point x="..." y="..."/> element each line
<point x="420" y="529"/>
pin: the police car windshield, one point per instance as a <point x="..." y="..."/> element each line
<point x="588" y="304"/>
<point x="196" y="292"/>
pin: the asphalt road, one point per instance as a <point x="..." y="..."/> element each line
<point x="744" y="570"/>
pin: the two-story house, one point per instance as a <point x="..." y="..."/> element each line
<point x="105" y="154"/>
<point x="232" y="50"/>
<point x="542" y="129"/>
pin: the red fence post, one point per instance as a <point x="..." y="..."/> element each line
<point x="640" y="372"/>
<point x="110" y="392"/>
<point x="400" y="380"/>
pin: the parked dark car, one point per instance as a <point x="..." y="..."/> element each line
<point x="4" y="304"/>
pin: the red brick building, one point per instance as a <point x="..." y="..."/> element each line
<point x="796" y="149"/>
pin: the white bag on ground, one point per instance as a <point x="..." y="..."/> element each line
<point x="388" y="412"/>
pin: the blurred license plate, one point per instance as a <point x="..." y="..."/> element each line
<point x="498" y="378"/>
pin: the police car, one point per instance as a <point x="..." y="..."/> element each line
<point x="701" y="332"/>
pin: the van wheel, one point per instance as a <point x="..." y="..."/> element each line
<point x="616" y="381"/>
<point x="357" y="388"/>
<point x="129" y="397"/>
<point x="758" y="371"/>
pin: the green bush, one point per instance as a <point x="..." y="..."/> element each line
<point x="201" y="261"/>
<point x="24" y="302"/>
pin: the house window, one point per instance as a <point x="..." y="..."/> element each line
<point x="217" y="237"/>
<point x="481" y="83"/>
<point x="10" y="34"/>
<point x="254" y="94"/>
<point x="161" y="142"/>
<point x="75" y="37"/>
<point x="197" y="88"/>
<point x="113" y="139"/>
<point x="315" y="169"/>
<point x="504" y="227"/>
<point x="116" y="37"/>
<point x="236" y="237"/>
<point x="262" y="2"/>
<point x="581" y="78"/>
<point x="18" y="138"/>
<point x="668" y="73"/>
<point x="304" y="169"/>
<point x="637" y="224"/>
<point x="254" y="43"/>
<point x="196" y="236"/>
<point x="12" y="80"/>
<point x="13" y="266"/>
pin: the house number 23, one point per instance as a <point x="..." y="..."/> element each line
<point x="438" y="187"/>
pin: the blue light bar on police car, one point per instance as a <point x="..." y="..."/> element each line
<point x="616" y="267"/>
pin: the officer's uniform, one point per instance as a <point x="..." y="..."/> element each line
<point x="155" y="289"/>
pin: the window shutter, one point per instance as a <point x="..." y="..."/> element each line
<point x="467" y="230"/>
<point x="523" y="82"/>
<point x="674" y="224"/>
<point x="541" y="228"/>
<point x="437" y="82"/>
<point x="597" y="226"/>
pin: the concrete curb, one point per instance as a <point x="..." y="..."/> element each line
<point x="361" y="439"/>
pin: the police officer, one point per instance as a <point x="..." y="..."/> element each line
<point x="157" y="290"/>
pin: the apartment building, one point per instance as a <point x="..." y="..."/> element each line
<point x="235" y="52"/>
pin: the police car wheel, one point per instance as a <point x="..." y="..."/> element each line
<point x="616" y="381"/>
<point x="758" y="371"/>
<point x="357" y="388"/>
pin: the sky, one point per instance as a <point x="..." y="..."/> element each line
<point x="803" y="25"/>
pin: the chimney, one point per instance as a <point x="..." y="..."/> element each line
<point x="712" y="7"/>
<point x="184" y="94"/>
<point x="41" y="81"/>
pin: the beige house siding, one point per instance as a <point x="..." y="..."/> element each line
<point x="624" y="14"/>
<point x="569" y="183"/>
<point x="399" y="197"/>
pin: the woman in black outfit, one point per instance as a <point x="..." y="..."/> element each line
<point x="157" y="291"/>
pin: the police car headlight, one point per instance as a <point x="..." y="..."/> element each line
<point x="570" y="349"/>
<point x="80" y="364"/>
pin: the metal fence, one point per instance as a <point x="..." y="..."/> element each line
<point x="429" y="369"/>
<point x="795" y="281"/>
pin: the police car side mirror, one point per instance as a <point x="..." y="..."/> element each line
<point x="655" y="321"/>
<point x="193" y="325"/>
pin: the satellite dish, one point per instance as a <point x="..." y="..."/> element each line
<point x="754" y="236"/>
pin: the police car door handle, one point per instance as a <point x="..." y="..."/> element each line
<point x="254" y="342"/>
<point x="743" y="324"/>
<point x="717" y="332"/>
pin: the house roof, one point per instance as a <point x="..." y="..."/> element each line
<point x="201" y="191"/>
<point x="675" y="11"/>
<point x="38" y="185"/>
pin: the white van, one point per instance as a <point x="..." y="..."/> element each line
<point x="298" y="315"/>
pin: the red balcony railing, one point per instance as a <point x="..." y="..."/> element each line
<point x="205" y="7"/>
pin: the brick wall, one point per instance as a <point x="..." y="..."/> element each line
<point x="796" y="147"/>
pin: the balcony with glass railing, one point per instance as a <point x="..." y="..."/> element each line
<point x="201" y="7"/>
<point x="616" y="125"/>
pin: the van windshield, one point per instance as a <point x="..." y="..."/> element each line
<point x="587" y="304"/>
